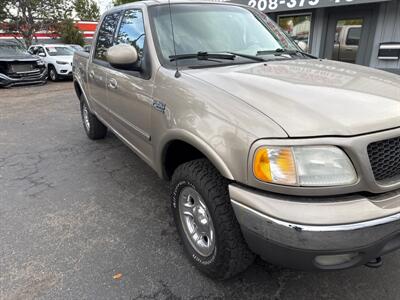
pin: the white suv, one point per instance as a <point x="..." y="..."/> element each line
<point x="58" y="59"/>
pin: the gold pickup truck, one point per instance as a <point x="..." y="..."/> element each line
<point x="269" y="151"/>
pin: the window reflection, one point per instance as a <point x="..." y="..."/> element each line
<point x="298" y="28"/>
<point x="106" y="33"/>
<point x="132" y="31"/>
<point x="347" y="39"/>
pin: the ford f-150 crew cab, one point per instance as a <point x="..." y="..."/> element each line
<point x="269" y="151"/>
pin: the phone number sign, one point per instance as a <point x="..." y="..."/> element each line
<point x="285" y="5"/>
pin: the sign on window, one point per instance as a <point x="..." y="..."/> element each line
<point x="287" y="5"/>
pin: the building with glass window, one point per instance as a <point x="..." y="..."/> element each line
<point x="365" y="32"/>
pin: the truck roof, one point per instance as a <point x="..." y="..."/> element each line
<point x="163" y="2"/>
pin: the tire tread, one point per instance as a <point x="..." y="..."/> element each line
<point x="236" y="256"/>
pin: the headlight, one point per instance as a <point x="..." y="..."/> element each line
<point x="303" y="166"/>
<point x="61" y="62"/>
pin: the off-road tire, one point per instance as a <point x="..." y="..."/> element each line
<point x="231" y="254"/>
<point x="96" y="130"/>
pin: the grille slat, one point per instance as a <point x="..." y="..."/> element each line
<point x="384" y="157"/>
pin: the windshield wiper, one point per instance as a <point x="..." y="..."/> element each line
<point x="202" y="56"/>
<point x="281" y="51"/>
<point x="248" y="56"/>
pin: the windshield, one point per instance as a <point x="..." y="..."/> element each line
<point x="76" y="47"/>
<point x="12" y="50"/>
<point x="214" y="28"/>
<point x="59" y="51"/>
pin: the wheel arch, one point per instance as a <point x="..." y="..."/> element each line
<point x="180" y="147"/>
<point x="80" y="93"/>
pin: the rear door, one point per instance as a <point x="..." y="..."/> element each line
<point x="98" y="66"/>
<point x="130" y="91"/>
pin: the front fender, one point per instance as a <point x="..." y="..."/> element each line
<point x="196" y="142"/>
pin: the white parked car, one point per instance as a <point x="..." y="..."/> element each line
<point x="58" y="59"/>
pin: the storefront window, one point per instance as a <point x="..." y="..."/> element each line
<point x="298" y="27"/>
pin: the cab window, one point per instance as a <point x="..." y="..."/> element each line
<point x="106" y="34"/>
<point x="131" y="31"/>
<point x="353" y="36"/>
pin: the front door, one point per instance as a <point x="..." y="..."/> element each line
<point x="349" y="37"/>
<point x="130" y="91"/>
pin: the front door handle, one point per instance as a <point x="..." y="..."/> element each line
<point x="91" y="74"/>
<point x="112" y="83"/>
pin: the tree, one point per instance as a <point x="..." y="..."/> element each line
<point x="120" y="2"/>
<point x="69" y="33"/>
<point x="87" y="10"/>
<point x="27" y="17"/>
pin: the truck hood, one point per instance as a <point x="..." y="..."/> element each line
<point x="10" y="58"/>
<point x="313" y="97"/>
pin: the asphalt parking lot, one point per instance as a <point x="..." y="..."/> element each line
<point x="74" y="213"/>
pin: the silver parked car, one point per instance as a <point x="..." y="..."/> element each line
<point x="269" y="151"/>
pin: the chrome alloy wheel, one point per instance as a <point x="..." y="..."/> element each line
<point x="196" y="221"/>
<point x="85" y="115"/>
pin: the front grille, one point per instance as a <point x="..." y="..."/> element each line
<point x="34" y="73"/>
<point x="15" y="68"/>
<point x="384" y="157"/>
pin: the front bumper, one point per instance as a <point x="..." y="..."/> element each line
<point x="300" y="232"/>
<point x="64" y="70"/>
<point x="6" y="81"/>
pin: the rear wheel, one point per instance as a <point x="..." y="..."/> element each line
<point x="206" y="222"/>
<point x="94" y="129"/>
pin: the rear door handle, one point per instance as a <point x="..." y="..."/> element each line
<point x="91" y="74"/>
<point x="112" y="83"/>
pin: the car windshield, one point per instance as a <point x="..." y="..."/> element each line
<point x="214" y="28"/>
<point x="59" y="51"/>
<point x="76" y="47"/>
<point x="12" y="50"/>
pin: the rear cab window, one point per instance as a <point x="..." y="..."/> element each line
<point x="353" y="36"/>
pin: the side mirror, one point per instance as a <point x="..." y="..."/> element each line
<point x="41" y="54"/>
<point x="87" y="48"/>
<point x="122" y="56"/>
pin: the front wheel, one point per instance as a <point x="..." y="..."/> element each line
<point x="53" y="73"/>
<point x="206" y="222"/>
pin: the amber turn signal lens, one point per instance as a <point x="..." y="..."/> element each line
<point x="275" y="165"/>
<point x="262" y="169"/>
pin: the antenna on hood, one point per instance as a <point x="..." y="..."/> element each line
<point x="177" y="73"/>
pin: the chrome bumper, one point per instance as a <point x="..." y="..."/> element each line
<point x="320" y="225"/>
